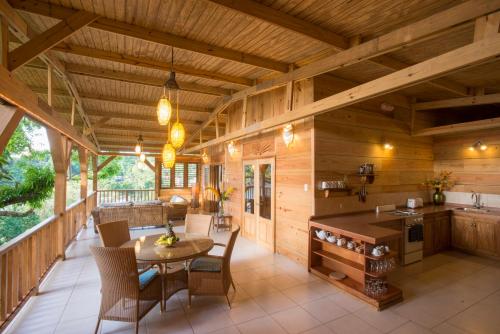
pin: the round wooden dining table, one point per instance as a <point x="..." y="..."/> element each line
<point x="189" y="246"/>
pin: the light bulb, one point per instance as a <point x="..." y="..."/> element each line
<point x="483" y="147"/>
<point x="388" y="146"/>
<point x="142" y="157"/>
<point x="164" y="110"/>
<point x="471" y="148"/>
<point x="138" y="148"/>
<point x="231" y="148"/>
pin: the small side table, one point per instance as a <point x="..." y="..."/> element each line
<point x="225" y="221"/>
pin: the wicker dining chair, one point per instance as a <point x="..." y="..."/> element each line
<point x="210" y="275"/>
<point x="114" y="234"/>
<point x="197" y="223"/>
<point x="126" y="295"/>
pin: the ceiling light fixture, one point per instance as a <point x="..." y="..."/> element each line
<point x="138" y="146"/>
<point x="168" y="154"/>
<point x="142" y="157"/>
<point x="164" y="108"/>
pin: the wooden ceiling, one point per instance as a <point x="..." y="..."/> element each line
<point x="119" y="61"/>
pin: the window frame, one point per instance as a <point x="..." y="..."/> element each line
<point x="185" y="178"/>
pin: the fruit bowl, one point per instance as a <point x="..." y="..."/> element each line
<point x="166" y="241"/>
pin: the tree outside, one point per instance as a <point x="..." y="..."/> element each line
<point x="27" y="179"/>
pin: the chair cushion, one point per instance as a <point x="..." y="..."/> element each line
<point x="146" y="277"/>
<point x="207" y="264"/>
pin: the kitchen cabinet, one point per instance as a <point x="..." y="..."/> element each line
<point x="436" y="233"/>
<point x="475" y="233"/>
<point x="463" y="233"/>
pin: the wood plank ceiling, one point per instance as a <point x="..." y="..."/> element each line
<point x="119" y="61"/>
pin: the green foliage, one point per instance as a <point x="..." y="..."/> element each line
<point x="111" y="170"/>
<point x="35" y="186"/>
<point x="11" y="227"/>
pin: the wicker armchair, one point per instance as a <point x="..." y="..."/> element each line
<point x="211" y="275"/>
<point x="197" y="223"/>
<point x="126" y="295"/>
<point x="114" y="234"/>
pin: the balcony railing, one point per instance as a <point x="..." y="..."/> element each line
<point x="26" y="259"/>
<point x="125" y="195"/>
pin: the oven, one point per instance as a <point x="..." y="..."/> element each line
<point x="413" y="243"/>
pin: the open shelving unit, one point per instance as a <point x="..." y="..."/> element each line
<point x="326" y="257"/>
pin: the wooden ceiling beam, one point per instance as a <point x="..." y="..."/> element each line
<point x="465" y="57"/>
<point x="143" y="80"/>
<point x="151" y="35"/>
<point x="46" y="40"/>
<point x="376" y="47"/>
<point x="329" y="37"/>
<point x="113" y="99"/>
<point x="22" y="31"/>
<point x="491" y="123"/>
<point x="17" y="93"/>
<point x="148" y="63"/>
<point x="459" y="102"/>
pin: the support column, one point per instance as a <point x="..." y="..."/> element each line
<point x="83" y="157"/>
<point x="9" y="119"/>
<point x="60" y="149"/>
<point x="157" y="177"/>
<point x="94" y="175"/>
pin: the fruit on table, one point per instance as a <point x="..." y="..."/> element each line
<point x="165" y="240"/>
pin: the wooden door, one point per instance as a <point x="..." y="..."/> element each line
<point x="463" y="233"/>
<point x="258" y="202"/>
<point x="265" y="205"/>
<point x="249" y="229"/>
<point x="486" y="228"/>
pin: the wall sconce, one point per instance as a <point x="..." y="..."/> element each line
<point x="142" y="157"/>
<point x="231" y="148"/>
<point x="204" y="158"/>
<point x="288" y="134"/>
<point x="478" y="145"/>
<point x="388" y="146"/>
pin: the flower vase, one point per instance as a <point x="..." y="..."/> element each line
<point x="438" y="197"/>
<point x="221" y="208"/>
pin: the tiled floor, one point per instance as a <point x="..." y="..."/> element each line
<point x="447" y="293"/>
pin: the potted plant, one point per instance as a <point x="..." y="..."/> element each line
<point x="440" y="183"/>
<point x="221" y="197"/>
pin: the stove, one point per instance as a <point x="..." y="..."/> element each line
<point x="413" y="235"/>
<point x="404" y="213"/>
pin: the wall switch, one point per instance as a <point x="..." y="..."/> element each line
<point x="306" y="187"/>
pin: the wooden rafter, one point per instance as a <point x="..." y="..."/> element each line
<point x="113" y="99"/>
<point x="311" y="30"/>
<point x="467" y="56"/>
<point x="49" y="38"/>
<point x="21" y="30"/>
<point x="155" y="36"/>
<point x="144" y="80"/>
<point x="490" y="123"/>
<point x="150" y="165"/>
<point x="17" y="93"/>
<point x="376" y="47"/>
<point x="459" y="102"/>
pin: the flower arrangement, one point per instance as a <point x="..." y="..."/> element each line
<point x="221" y="196"/>
<point x="441" y="182"/>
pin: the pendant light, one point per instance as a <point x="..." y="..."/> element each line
<point x="178" y="133"/>
<point x="138" y="146"/>
<point x="142" y="157"/>
<point x="164" y="108"/>
<point x="168" y="153"/>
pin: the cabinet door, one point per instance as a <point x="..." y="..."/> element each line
<point x="442" y="233"/>
<point x="463" y="233"/>
<point x="486" y="235"/>
<point x="428" y="236"/>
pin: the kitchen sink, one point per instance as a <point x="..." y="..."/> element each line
<point x="475" y="210"/>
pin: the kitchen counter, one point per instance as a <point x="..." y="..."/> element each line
<point x="363" y="225"/>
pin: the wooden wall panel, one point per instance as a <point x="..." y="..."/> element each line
<point x="345" y="139"/>
<point x="477" y="170"/>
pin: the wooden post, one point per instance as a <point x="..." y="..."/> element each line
<point x="4" y="42"/>
<point x="157" y="177"/>
<point x="73" y="107"/>
<point x="94" y="173"/>
<point x="83" y="157"/>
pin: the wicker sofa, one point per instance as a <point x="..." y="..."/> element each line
<point x="139" y="214"/>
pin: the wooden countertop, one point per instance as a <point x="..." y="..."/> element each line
<point x="363" y="225"/>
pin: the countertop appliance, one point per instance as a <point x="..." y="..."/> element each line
<point x="413" y="203"/>
<point x="413" y="235"/>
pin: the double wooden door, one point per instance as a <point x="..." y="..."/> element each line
<point x="258" y="201"/>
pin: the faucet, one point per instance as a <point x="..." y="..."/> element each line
<point x="476" y="200"/>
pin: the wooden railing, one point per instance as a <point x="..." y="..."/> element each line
<point x="26" y="259"/>
<point x="125" y="195"/>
